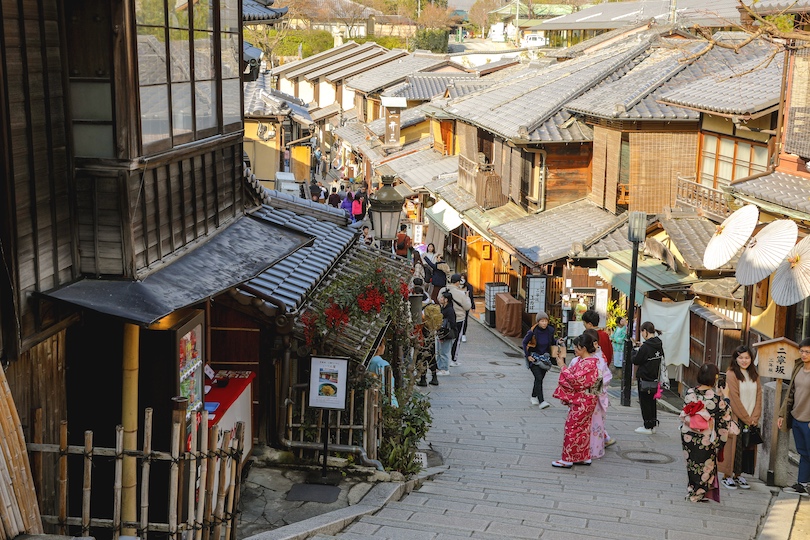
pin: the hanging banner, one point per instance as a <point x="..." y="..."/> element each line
<point x="328" y="379"/>
<point x="672" y="319"/>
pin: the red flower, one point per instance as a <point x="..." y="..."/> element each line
<point x="370" y="300"/>
<point x="336" y="316"/>
<point x="693" y="407"/>
<point x="404" y="290"/>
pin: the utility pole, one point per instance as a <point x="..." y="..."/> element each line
<point x="517" y="23"/>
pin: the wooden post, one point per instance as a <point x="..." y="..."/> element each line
<point x="129" y="422"/>
<point x="775" y="359"/>
<point x="213" y="460"/>
<point x="233" y="487"/>
<point x="117" y="488"/>
<point x="145" y="469"/>
<point x="179" y="412"/>
<point x="192" y="475"/>
<point x="36" y="457"/>
<point x="63" y="444"/>
<point x="203" y="474"/>
<point x="173" y="479"/>
<point x="86" y="487"/>
<point x="219" y="511"/>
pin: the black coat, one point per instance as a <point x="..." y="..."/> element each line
<point x="648" y="358"/>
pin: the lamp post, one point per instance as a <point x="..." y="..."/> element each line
<point x="385" y="209"/>
<point x="637" y="232"/>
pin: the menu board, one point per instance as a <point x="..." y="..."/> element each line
<point x="536" y="294"/>
<point x="327" y="382"/>
<point x="190" y="367"/>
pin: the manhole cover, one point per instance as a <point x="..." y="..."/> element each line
<point x="496" y="363"/>
<point x="646" y="456"/>
<point x="513" y="354"/>
<point x="477" y="374"/>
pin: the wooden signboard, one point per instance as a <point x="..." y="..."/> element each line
<point x="775" y="359"/>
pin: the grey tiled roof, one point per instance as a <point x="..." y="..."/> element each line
<point x="394" y="72"/>
<point x="375" y="152"/>
<point x="255" y="12"/>
<point x="262" y="101"/>
<point x="547" y="236"/>
<point x="583" y="46"/>
<point x="408" y="117"/>
<point x="441" y="181"/>
<point x="637" y="94"/>
<point x="283" y="69"/>
<point x="613" y="240"/>
<point x="424" y="86"/>
<point x="421" y="167"/>
<point x="609" y="15"/>
<point x="728" y="92"/>
<point x="564" y="127"/>
<point x="460" y="88"/>
<point x="625" y="97"/>
<point x="780" y="189"/>
<point x="292" y="279"/>
<point x="366" y="65"/>
<point x="690" y="236"/>
<point x="460" y="199"/>
<point x="352" y="132"/>
<point x="484" y="220"/>
<point x="364" y="52"/>
<point x="515" y="108"/>
<point x="719" y="288"/>
<point x="324" y="112"/>
<point x="767" y="7"/>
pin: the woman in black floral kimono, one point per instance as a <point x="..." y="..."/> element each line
<point x="706" y="420"/>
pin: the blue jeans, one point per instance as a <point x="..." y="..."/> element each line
<point x="801" y="435"/>
<point x="443" y="354"/>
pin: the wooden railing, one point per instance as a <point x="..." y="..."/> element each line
<point x="712" y="202"/>
<point x="467" y="169"/>
<point x="482" y="182"/>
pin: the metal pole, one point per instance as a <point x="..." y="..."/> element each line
<point x="627" y="368"/>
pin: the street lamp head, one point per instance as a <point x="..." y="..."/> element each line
<point x="637" y="226"/>
<point x="385" y="208"/>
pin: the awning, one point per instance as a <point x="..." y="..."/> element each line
<point x="240" y="252"/>
<point x="444" y="216"/>
<point x="619" y="278"/>
<point x="404" y="190"/>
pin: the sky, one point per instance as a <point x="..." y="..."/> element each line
<point x="460" y="4"/>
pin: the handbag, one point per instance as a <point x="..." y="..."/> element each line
<point x="648" y="387"/>
<point x="543" y="361"/>
<point x="751" y="436"/>
<point x="446" y="331"/>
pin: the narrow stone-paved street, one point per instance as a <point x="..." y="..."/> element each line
<point x="500" y="483"/>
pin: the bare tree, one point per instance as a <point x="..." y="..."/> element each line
<point x="351" y="14"/>
<point x="434" y="16"/>
<point x="480" y="15"/>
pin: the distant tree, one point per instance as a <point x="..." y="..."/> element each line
<point x="434" y="17"/>
<point x="431" y="39"/>
<point x="351" y="14"/>
<point x="480" y="15"/>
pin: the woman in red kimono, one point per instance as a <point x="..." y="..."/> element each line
<point x="579" y="388"/>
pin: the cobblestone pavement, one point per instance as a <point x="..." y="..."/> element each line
<point x="500" y="483"/>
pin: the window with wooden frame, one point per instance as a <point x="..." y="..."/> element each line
<point x="725" y="159"/>
<point x="189" y="68"/>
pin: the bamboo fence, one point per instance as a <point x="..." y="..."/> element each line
<point x="213" y="460"/>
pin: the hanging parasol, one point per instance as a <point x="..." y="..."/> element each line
<point x="730" y="236"/>
<point x="791" y="284"/>
<point x="766" y="250"/>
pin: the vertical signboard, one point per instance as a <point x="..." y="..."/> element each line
<point x="391" y="126"/>
<point x="328" y="382"/>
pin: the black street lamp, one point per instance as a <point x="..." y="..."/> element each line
<point x="636" y="233"/>
<point x="385" y="209"/>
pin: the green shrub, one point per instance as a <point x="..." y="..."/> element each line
<point x="431" y="39"/>
<point x="403" y="428"/>
<point x="389" y="42"/>
<point x="312" y="42"/>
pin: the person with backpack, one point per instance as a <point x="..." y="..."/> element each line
<point x="402" y="244"/>
<point x="537" y="342"/>
<point x="439" y="280"/>
<point x="461" y="304"/>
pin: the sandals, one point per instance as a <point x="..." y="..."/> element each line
<point x="560" y="464"/>
<point x="586" y="462"/>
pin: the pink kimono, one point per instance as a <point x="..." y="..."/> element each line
<point x="573" y="390"/>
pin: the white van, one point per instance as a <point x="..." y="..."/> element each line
<point x="533" y="40"/>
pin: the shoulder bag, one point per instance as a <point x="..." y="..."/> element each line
<point x="647" y="387"/>
<point x="446" y="331"/>
<point x="533" y="340"/>
<point x="751" y="436"/>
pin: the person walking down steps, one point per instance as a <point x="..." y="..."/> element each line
<point x="537" y="342"/>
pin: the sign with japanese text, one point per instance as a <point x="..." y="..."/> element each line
<point x="776" y="357"/>
<point x="328" y="379"/>
<point x="391" y="126"/>
<point x="536" y="294"/>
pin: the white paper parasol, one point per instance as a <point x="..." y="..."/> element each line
<point x="791" y="284"/>
<point x="730" y="236"/>
<point x="766" y="250"/>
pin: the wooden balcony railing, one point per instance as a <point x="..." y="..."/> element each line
<point x="482" y="182"/>
<point x="712" y="202"/>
